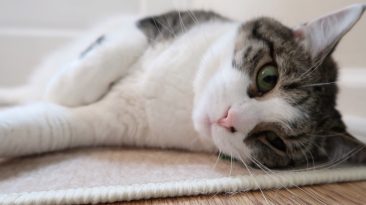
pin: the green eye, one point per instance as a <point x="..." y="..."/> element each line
<point x="267" y="78"/>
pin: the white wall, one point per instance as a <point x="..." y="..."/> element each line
<point x="29" y="29"/>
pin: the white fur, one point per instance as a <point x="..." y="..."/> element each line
<point x="169" y="95"/>
<point x="80" y="81"/>
<point x="149" y="105"/>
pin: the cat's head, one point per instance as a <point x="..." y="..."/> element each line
<point x="267" y="93"/>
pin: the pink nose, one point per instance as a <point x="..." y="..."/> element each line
<point x="226" y="121"/>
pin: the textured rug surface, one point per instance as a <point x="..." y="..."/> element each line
<point x="109" y="167"/>
<point x="98" y="175"/>
<point x="120" y="174"/>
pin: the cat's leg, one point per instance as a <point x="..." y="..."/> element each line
<point x="17" y="95"/>
<point x="44" y="127"/>
<point x="108" y="59"/>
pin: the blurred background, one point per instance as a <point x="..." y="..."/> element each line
<point x="30" y="29"/>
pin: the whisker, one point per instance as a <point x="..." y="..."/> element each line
<point x="311" y="154"/>
<point x="216" y="162"/>
<point x="318" y="84"/>
<point x="330" y="134"/>
<point x="319" y="61"/>
<point x="181" y="22"/>
<point x="231" y="164"/>
<point x="217" y="159"/>
<point x="270" y="174"/>
<point x="302" y="148"/>
<point x="330" y="164"/>
<point x="250" y="173"/>
<point x="263" y="167"/>
<point x="193" y="16"/>
<point x="346" y="158"/>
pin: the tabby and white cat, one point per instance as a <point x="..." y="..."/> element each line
<point x="256" y="90"/>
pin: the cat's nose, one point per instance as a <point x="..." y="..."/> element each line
<point x="227" y="121"/>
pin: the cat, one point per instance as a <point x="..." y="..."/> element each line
<point x="259" y="91"/>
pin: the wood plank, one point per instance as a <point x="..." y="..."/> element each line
<point x="339" y="193"/>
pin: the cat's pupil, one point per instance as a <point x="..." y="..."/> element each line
<point x="271" y="79"/>
<point x="275" y="141"/>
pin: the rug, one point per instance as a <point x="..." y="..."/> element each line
<point x="122" y="174"/>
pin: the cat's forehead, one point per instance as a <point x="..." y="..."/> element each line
<point x="265" y="29"/>
<point x="257" y="42"/>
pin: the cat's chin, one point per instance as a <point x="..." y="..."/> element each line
<point x="230" y="144"/>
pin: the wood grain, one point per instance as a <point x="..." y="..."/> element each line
<point x="339" y="193"/>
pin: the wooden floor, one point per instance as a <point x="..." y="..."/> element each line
<point x="341" y="193"/>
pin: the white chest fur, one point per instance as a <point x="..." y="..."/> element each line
<point x="167" y="86"/>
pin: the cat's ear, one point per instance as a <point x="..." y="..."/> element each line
<point x="320" y="36"/>
<point x="343" y="147"/>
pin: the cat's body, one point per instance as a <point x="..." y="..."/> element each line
<point x="182" y="80"/>
<point x="152" y="97"/>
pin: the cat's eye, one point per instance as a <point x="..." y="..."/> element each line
<point x="267" y="78"/>
<point x="274" y="142"/>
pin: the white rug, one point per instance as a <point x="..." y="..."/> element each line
<point x="120" y="174"/>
